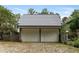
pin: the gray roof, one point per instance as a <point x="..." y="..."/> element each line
<point x="40" y="20"/>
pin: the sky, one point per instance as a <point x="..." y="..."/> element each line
<point x="63" y="10"/>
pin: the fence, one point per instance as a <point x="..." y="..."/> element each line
<point x="10" y="37"/>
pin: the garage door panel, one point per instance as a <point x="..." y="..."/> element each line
<point x="34" y="35"/>
<point x="30" y="35"/>
<point x="49" y="35"/>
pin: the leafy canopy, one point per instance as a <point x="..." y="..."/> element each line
<point x="7" y="19"/>
<point x="44" y="11"/>
<point x="31" y="11"/>
<point x="74" y="23"/>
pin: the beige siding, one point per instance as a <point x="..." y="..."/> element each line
<point x="30" y="35"/>
<point x="49" y="35"/>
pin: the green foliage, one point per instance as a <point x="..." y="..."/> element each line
<point x="70" y="43"/>
<point x="51" y="13"/>
<point x="44" y="11"/>
<point x="17" y="16"/>
<point x="31" y="11"/>
<point x="75" y="14"/>
<point x="74" y="24"/>
<point x="76" y="43"/>
<point x="7" y="20"/>
<point x="64" y="19"/>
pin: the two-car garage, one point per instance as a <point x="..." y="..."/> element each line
<point x="39" y="28"/>
<point x="39" y="35"/>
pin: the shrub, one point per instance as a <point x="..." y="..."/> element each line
<point x="76" y="43"/>
<point x="70" y="43"/>
<point x="73" y="39"/>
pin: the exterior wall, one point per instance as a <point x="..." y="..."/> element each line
<point x="49" y="35"/>
<point x="30" y="35"/>
<point x="34" y="35"/>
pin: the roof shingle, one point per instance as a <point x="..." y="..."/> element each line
<point x="40" y="20"/>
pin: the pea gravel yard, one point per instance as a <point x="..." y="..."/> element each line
<point x="19" y="47"/>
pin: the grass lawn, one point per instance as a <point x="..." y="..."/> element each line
<point x="15" y="47"/>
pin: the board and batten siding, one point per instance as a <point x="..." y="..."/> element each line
<point x="33" y="35"/>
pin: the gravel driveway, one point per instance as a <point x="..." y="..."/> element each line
<point x="18" y="47"/>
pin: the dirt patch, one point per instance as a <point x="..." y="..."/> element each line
<point x="18" y="47"/>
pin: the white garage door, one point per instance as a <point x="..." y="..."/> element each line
<point x="30" y="35"/>
<point x="49" y="35"/>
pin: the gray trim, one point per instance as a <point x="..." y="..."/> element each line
<point x="41" y="27"/>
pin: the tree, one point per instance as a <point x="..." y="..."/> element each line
<point x="31" y="11"/>
<point x="65" y="26"/>
<point x="74" y="23"/>
<point x="17" y="19"/>
<point x="44" y="11"/>
<point x="17" y="16"/>
<point x="58" y="14"/>
<point x="64" y="19"/>
<point x="7" y="21"/>
<point x="51" y="13"/>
